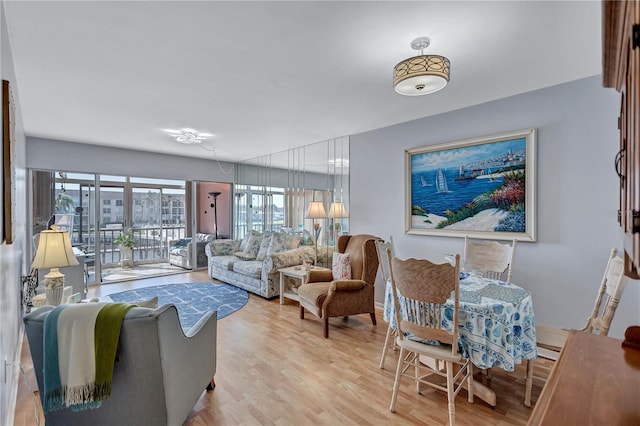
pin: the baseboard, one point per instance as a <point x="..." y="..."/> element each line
<point x="13" y="376"/>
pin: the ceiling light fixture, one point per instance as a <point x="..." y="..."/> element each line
<point x="421" y="75"/>
<point x="188" y="136"/>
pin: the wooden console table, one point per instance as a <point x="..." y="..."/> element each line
<point x="594" y="382"/>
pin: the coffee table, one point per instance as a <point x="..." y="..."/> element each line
<point x="299" y="272"/>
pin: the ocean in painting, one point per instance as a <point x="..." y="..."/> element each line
<point x="424" y="192"/>
<point x="449" y="179"/>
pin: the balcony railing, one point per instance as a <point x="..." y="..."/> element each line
<point x="151" y="244"/>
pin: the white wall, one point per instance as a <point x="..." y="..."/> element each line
<point x="12" y="262"/>
<point x="51" y="154"/>
<point x="577" y="193"/>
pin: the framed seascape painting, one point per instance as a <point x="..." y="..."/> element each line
<point x="482" y="187"/>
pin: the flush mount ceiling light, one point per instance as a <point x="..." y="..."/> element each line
<point x="187" y="136"/>
<point x="421" y="75"/>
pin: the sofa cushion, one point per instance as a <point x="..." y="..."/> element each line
<point x="182" y="242"/>
<point x="178" y="251"/>
<point x="282" y="242"/>
<point x="264" y="245"/>
<point x="204" y="238"/>
<point x="253" y="245"/>
<point x="243" y="256"/>
<point x="223" y="262"/>
<point x="245" y="240"/>
<point x="252" y="268"/>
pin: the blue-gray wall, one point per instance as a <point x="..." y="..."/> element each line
<point x="577" y="193"/>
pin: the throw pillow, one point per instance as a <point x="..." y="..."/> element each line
<point x="253" y="245"/>
<point x="341" y="266"/>
<point x="245" y="240"/>
<point x="282" y="242"/>
<point x="242" y="255"/>
<point x="264" y="246"/>
<point x="151" y="303"/>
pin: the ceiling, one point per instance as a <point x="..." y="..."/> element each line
<point x="266" y="76"/>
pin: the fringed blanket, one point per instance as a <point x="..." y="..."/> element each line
<point x="80" y="343"/>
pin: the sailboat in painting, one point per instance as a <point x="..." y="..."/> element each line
<point x="424" y="182"/>
<point x="441" y="182"/>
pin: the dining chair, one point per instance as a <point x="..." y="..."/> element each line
<point x="489" y="259"/>
<point x="550" y="340"/>
<point x="381" y="247"/>
<point x="420" y="291"/>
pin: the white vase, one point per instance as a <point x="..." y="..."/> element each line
<point x="54" y="295"/>
<point x="126" y="257"/>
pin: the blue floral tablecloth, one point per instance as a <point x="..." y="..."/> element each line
<point x="497" y="324"/>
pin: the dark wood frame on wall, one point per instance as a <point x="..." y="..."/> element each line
<point x="8" y="163"/>
<point x="621" y="70"/>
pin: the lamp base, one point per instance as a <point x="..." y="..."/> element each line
<point x="54" y="295"/>
<point x="54" y="286"/>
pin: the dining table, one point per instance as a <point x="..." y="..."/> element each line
<point x="496" y="324"/>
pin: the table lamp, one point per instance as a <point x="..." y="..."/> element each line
<point x="316" y="211"/>
<point x="54" y="251"/>
<point x="337" y="211"/>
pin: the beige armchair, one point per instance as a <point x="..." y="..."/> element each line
<point x="327" y="298"/>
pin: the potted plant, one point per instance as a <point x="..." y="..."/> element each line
<point x="125" y="244"/>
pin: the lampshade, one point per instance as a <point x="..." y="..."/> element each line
<point x="421" y="75"/>
<point x="316" y="210"/>
<point x="337" y="210"/>
<point x="54" y="250"/>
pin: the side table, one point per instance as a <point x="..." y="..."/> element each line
<point x="298" y="272"/>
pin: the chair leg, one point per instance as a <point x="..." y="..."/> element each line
<point x="385" y="348"/>
<point x="470" y="382"/>
<point x="396" y="383"/>
<point x="301" y="312"/>
<point x="450" y="394"/>
<point x="487" y="373"/>
<point x="212" y="384"/>
<point x="325" y="327"/>
<point x="373" y="318"/>
<point x="528" y="383"/>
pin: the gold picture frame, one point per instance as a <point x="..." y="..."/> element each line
<point x="8" y="163"/>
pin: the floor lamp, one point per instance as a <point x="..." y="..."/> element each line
<point x="316" y="211"/>
<point x="214" y="205"/>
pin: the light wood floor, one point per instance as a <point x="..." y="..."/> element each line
<point x="275" y="369"/>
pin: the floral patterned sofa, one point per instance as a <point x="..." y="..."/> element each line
<point x="253" y="263"/>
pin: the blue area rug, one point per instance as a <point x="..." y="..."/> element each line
<point x="192" y="300"/>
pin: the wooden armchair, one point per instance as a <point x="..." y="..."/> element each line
<point x="489" y="259"/>
<point x="550" y="340"/>
<point x="390" y="338"/>
<point x="420" y="291"/>
<point x="326" y="297"/>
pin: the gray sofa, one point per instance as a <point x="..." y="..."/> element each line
<point x="257" y="276"/>
<point x="180" y="251"/>
<point x="160" y="375"/>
